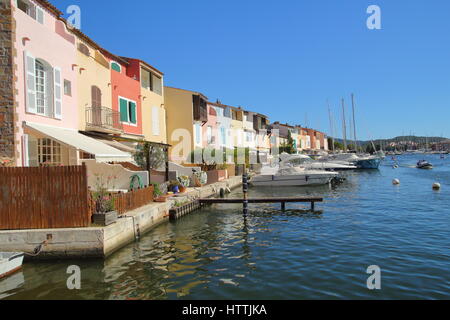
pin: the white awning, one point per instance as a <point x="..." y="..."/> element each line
<point x="72" y="138"/>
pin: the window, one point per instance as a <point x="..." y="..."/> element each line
<point x="35" y="12"/>
<point x="41" y="92"/>
<point x="127" y="111"/>
<point x="151" y="81"/>
<point x="67" y="88"/>
<point x="198" y="134"/>
<point x="209" y="135"/>
<point x="155" y="121"/>
<point x="116" y="67"/>
<point x="223" y="135"/>
<point x="49" y="152"/>
<point x="84" y="49"/>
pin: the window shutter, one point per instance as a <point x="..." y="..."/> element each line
<point x="33" y="160"/>
<point x="155" y="121"/>
<point x="133" y="112"/>
<point x="58" y="93"/>
<point x="30" y="83"/>
<point x="123" y="110"/>
<point x="40" y="15"/>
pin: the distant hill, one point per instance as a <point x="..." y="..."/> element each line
<point x="401" y="140"/>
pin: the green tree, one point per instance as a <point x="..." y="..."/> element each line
<point x="289" y="146"/>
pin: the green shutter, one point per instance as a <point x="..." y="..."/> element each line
<point x="133" y="112"/>
<point x="123" y="110"/>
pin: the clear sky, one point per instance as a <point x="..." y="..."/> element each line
<point x="286" y="58"/>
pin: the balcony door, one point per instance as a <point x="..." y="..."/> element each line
<point x="96" y="99"/>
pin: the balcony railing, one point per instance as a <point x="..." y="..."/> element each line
<point x="103" y="118"/>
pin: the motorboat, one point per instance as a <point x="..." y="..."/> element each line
<point x="423" y="164"/>
<point x="362" y="161"/>
<point x="292" y="176"/>
<point x="300" y="160"/>
<point x="10" y="262"/>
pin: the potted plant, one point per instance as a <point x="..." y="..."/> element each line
<point x="157" y="193"/>
<point x="104" y="210"/>
<point x="185" y="182"/>
<point x="200" y="178"/>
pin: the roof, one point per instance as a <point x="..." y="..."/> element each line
<point x="145" y="64"/>
<point x="194" y="92"/>
<point x="50" y="7"/>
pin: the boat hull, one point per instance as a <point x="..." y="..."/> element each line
<point x="10" y="263"/>
<point x="369" y="163"/>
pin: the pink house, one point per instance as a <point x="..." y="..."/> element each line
<point x="46" y="82"/>
<point x="46" y="103"/>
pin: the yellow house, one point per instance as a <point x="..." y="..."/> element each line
<point x="94" y="89"/>
<point x="237" y="126"/>
<point x="186" y="113"/>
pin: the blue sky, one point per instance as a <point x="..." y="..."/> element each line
<point x="286" y="58"/>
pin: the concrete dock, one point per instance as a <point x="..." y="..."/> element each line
<point x="100" y="242"/>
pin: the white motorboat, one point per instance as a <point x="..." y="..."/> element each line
<point x="10" y="262"/>
<point x="292" y="176"/>
<point x="300" y="160"/>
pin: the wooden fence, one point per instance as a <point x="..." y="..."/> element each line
<point x="125" y="202"/>
<point x="44" y="198"/>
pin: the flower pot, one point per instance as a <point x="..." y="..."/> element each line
<point x="183" y="189"/>
<point x="161" y="199"/>
<point x="105" y="219"/>
<point x="175" y="189"/>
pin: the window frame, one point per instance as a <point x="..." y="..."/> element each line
<point x="129" y="123"/>
<point x="55" y="152"/>
<point x="69" y="93"/>
<point x="44" y="93"/>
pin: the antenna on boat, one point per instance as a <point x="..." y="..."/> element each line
<point x="344" y="128"/>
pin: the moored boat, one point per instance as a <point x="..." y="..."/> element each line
<point x="10" y="262"/>
<point x="293" y="176"/>
<point x="423" y="164"/>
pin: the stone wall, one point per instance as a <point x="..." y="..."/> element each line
<point x="8" y="145"/>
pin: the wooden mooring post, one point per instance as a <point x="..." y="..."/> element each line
<point x="245" y="190"/>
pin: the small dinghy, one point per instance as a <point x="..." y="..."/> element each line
<point x="423" y="164"/>
<point x="10" y="262"/>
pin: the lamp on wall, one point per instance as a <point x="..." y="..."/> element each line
<point x="74" y="66"/>
<point x="25" y="39"/>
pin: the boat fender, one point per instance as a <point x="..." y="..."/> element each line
<point x="222" y="192"/>
<point x="396" y="182"/>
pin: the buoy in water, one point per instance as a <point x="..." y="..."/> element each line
<point x="396" y="182"/>
<point x="436" y="186"/>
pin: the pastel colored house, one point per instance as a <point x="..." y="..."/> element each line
<point x="237" y="126"/>
<point x="44" y="77"/>
<point x="151" y="99"/>
<point x="187" y="112"/>
<point x="223" y="125"/>
<point x="210" y="129"/>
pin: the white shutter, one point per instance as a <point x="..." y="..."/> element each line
<point x="155" y="121"/>
<point x="30" y="82"/>
<point x="58" y="93"/>
<point x="33" y="160"/>
<point x="25" y="161"/>
<point x="40" y="15"/>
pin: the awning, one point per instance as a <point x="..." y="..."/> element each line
<point x="72" y="138"/>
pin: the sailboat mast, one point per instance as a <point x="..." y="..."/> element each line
<point x="344" y="127"/>
<point x="354" y="122"/>
<point x="331" y="125"/>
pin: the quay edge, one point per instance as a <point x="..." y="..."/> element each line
<point x="101" y="242"/>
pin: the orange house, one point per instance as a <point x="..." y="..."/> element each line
<point x="126" y="98"/>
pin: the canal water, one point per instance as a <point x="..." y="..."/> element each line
<point x="216" y="253"/>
